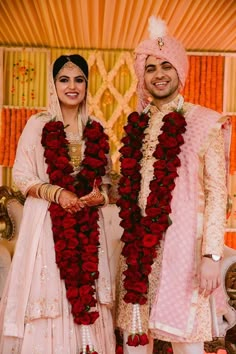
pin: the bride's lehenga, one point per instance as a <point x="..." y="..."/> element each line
<point x="35" y="316"/>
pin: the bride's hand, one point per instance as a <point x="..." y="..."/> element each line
<point x="94" y="198"/>
<point x="70" y="202"/>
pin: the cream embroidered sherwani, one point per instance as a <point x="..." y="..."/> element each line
<point x="176" y="311"/>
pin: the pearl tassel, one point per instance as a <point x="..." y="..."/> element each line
<point x="86" y="339"/>
<point x="136" y="319"/>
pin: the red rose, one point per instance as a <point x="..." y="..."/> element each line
<point x="83" y="217"/>
<point x="128" y="129"/>
<point x="125" y="213"/>
<point x="68" y="254"/>
<point x="91" y="249"/>
<point x="69" y="221"/>
<point x="126" y="224"/>
<point x="56" y="176"/>
<point x="143" y="338"/>
<point x="93" y="316"/>
<point x="132" y="260"/>
<point x="85" y="290"/>
<point x="119" y="349"/>
<point x="87" y="318"/>
<point x="143" y="120"/>
<point x="89" y="267"/>
<point x="164" y="219"/>
<point x="52" y="141"/>
<point x="139" y="286"/>
<point x="159" y="152"/>
<point x="150" y="240"/>
<point x="67" y="181"/>
<point x="50" y="155"/>
<point x="180" y="139"/>
<point x="72" y="293"/>
<point x="93" y="237"/>
<point x="133" y="340"/>
<point x="126" y="140"/>
<point x="170" y="128"/>
<point x="160" y="164"/>
<point x="176" y="118"/>
<point x="93" y="131"/>
<point x="160" y="175"/>
<point x="172" y="152"/>
<point x="123" y="203"/>
<point x="131" y="297"/>
<point x="126" y="151"/>
<point x="153" y="212"/>
<point x="128" y="236"/>
<point x="167" y="141"/>
<point x="61" y="162"/>
<point x="91" y="161"/>
<point x="124" y="189"/>
<point x="70" y="233"/>
<point x="137" y="155"/>
<point x="166" y="209"/>
<point x="78" y="306"/>
<point x="146" y="221"/>
<point x="89" y="175"/>
<point x="73" y="272"/>
<point x="89" y="258"/>
<point x="102" y="156"/>
<point x="72" y="243"/>
<point x="54" y="126"/>
<point x="60" y="245"/>
<point x="133" y="117"/>
<point x="86" y="278"/>
<point x="103" y="143"/>
<point x="92" y="149"/>
<point x="128" y="163"/>
<point x="169" y="179"/>
<point x="152" y="199"/>
<point x="161" y="191"/>
<point x="146" y="269"/>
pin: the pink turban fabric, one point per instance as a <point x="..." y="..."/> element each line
<point x="171" y="50"/>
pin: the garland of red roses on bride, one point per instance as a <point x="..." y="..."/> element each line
<point x="76" y="236"/>
<point x="142" y="234"/>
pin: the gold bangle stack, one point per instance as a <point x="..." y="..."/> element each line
<point x="49" y="192"/>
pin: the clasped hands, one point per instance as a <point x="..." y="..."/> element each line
<point x="71" y="203"/>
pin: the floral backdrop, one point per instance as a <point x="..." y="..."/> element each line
<point x="23" y="92"/>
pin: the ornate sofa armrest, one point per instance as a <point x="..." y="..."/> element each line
<point x="11" y="208"/>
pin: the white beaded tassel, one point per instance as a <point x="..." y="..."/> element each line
<point x="133" y="328"/>
<point x="86" y="339"/>
<point x="140" y="330"/>
<point x="136" y="319"/>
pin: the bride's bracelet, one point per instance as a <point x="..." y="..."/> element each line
<point x="49" y="192"/>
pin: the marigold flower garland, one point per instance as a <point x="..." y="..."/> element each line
<point x="142" y="234"/>
<point x="76" y="236"/>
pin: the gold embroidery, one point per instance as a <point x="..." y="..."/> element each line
<point x="75" y="154"/>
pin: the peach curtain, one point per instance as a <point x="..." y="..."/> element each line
<point x="204" y="84"/>
<point x="13" y="121"/>
<point x="112" y="87"/>
<point x="112" y="84"/>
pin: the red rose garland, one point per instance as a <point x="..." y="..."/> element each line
<point x="142" y="234"/>
<point x="76" y="236"/>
